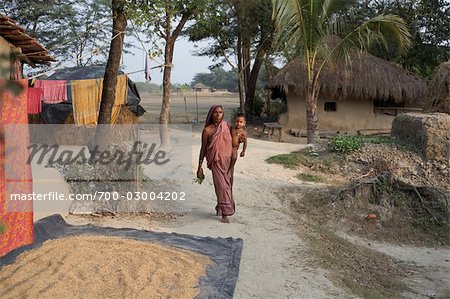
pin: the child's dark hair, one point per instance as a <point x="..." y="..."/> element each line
<point x="240" y="115"/>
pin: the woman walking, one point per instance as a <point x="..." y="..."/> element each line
<point x="217" y="149"/>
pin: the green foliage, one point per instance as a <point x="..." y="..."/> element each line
<point x="275" y="108"/>
<point x="165" y="19"/>
<point x="258" y="106"/>
<point x="345" y="144"/>
<point x="70" y="30"/>
<point x="199" y="179"/>
<point x="221" y="26"/>
<point x="259" y="102"/>
<point x="429" y="23"/>
<point x="180" y="87"/>
<point x="217" y="78"/>
<point x="240" y="34"/>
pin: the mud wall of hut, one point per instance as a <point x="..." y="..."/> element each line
<point x="348" y="115"/>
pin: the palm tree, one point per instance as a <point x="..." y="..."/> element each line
<point x="309" y="28"/>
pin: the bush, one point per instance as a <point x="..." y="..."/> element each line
<point x="259" y="103"/>
<point x="345" y="144"/>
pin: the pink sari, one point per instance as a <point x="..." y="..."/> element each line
<point x="218" y="156"/>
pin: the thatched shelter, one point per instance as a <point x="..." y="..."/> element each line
<point x="17" y="48"/>
<point x="200" y="87"/>
<point x="364" y="95"/>
<point x="438" y="99"/>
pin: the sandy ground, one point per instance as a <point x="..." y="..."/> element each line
<point x="273" y="259"/>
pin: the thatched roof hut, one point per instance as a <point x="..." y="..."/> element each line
<point x="438" y="99"/>
<point x="361" y="96"/>
<point x="366" y="77"/>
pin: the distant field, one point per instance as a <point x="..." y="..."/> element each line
<point x="152" y="103"/>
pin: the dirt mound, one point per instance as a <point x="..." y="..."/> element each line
<point x="428" y="134"/>
<point x="403" y="164"/>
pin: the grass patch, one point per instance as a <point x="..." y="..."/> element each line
<point x="324" y="161"/>
<point x="345" y="144"/>
<point x="309" y="177"/>
<point x="291" y="160"/>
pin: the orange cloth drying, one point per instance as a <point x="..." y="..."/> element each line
<point x="19" y="225"/>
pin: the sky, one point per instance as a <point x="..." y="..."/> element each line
<point x="185" y="63"/>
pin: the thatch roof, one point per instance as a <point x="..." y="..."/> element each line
<point x="200" y="85"/>
<point x="32" y="52"/>
<point x="366" y="77"/>
<point x="438" y="99"/>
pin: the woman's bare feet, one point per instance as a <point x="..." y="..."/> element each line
<point x="225" y="219"/>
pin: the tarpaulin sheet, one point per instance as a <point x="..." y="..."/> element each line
<point x="221" y="276"/>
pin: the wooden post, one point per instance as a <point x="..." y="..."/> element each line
<point x="185" y="108"/>
<point x="196" y="103"/>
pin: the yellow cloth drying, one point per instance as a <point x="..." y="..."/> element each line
<point x="86" y="96"/>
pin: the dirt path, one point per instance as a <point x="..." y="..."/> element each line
<point x="276" y="260"/>
<point x="271" y="263"/>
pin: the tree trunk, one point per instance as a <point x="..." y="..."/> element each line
<point x="170" y="38"/>
<point x="110" y="78"/>
<point x="268" y="67"/>
<point x="165" y="108"/>
<point x="112" y="66"/>
<point x="251" y="85"/>
<point x="241" y="81"/>
<point x="311" y="111"/>
<point x="246" y="59"/>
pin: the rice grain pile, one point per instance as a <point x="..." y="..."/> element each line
<point x="98" y="267"/>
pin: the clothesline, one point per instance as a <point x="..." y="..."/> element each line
<point x="84" y="95"/>
<point x="67" y="64"/>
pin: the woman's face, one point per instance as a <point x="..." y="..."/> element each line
<point x="217" y="115"/>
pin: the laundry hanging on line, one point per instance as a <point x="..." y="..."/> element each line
<point x="34" y="100"/>
<point x="86" y="96"/>
<point x="53" y="91"/>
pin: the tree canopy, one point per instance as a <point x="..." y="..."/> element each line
<point x="429" y="24"/>
<point x="75" y="31"/>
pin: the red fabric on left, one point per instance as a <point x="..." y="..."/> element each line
<point x="34" y="100"/>
<point x="19" y="225"/>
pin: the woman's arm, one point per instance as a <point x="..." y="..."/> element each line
<point x="201" y="156"/>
